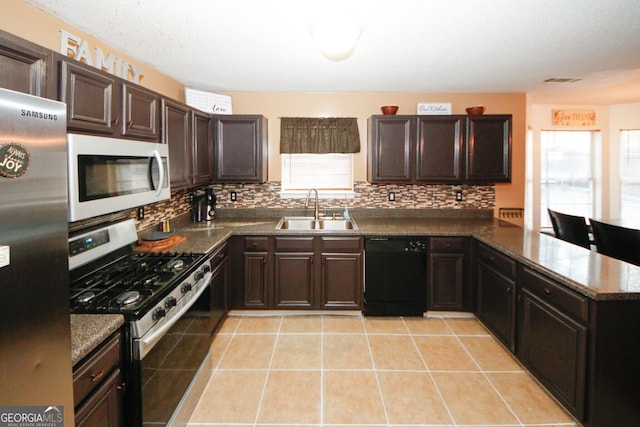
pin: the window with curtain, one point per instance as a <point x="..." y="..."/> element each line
<point x="630" y="174"/>
<point x="318" y="153"/>
<point x="566" y="175"/>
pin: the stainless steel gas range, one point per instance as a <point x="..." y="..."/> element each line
<point x="165" y="300"/>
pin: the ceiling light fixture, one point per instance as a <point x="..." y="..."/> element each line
<point x="336" y="35"/>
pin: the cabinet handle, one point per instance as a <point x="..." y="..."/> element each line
<point x="547" y="291"/>
<point x="97" y="377"/>
<point x="130" y="123"/>
<point x="508" y="290"/>
<point x="121" y="387"/>
<point x="116" y="121"/>
<point x="221" y="256"/>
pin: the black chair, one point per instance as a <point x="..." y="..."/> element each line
<point x="570" y="228"/>
<point x="617" y="242"/>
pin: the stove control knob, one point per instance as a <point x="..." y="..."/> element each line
<point x="170" y="302"/>
<point x="206" y="268"/>
<point x="199" y="275"/>
<point x="186" y="287"/>
<point x="159" y="313"/>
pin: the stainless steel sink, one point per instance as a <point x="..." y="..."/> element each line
<point x="309" y="223"/>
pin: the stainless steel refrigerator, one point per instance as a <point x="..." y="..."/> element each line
<point x="35" y="344"/>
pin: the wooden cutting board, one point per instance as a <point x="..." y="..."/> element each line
<point x="158" y="245"/>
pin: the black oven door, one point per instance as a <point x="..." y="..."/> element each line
<point x="162" y="376"/>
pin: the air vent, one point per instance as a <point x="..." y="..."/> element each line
<point x="562" y="80"/>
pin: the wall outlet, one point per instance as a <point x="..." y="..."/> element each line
<point x="458" y="196"/>
<point x="140" y="213"/>
<point x="234" y="196"/>
<point x="392" y="197"/>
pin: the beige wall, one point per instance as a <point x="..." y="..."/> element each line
<point x="34" y="25"/>
<point x="364" y="104"/>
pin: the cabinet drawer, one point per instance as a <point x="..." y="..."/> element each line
<point x="568" y="301"/>
<point x="341" y="244"/>
<point x="91" y="373"/>
<point x="446" y="244"/>
<point x="256" y="244"/>
<point x="498" y="261"/>
<point x="219" y="256"/>
<point x="294" y="244"/>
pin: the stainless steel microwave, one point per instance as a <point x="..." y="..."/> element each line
<point x="108" y="175"/>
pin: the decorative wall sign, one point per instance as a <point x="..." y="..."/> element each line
<point x="208" y="101"/>
<point x="434" y="108"/>
<point x="573" y="117"/>
<point x="14" y="160"/>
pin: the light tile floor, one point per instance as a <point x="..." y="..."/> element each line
<point x="333" y="370"/>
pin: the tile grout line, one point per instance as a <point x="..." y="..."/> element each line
<point x="435" y="385"/>
<point x="375" y="372"/>
<point x="266" y="379"/>
<point x="484" y="374"/>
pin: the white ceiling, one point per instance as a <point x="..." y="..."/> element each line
<point x="405" y="45"/>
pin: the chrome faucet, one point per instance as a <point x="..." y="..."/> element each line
<point x="316" y="214"/>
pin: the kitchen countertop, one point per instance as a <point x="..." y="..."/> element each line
<point x="88" y="331"/>
<point x="586" y="272"/>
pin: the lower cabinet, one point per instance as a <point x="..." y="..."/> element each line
<point x="496" y="293"/>
<point x="98" y="388"/>
<point x="552" y="337"/>
<point x="448" y="288"/>
<point x="219" y="286"/>
<point x="297" y="272"/>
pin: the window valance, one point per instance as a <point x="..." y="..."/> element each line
<point x="319" y="135"/>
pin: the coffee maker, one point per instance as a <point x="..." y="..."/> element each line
<point x="203" y="205"/>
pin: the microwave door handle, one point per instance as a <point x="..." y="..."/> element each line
<point x="156" y="154"/>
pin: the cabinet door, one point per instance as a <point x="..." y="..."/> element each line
<point x="175" y="132"/>
<point x="341" y="281"/>
<point x="439" y="154"/>
<point x="496" y="303"/>
<point x="104" y="407"/>
<point x="202" y="148"/>
<point x="255" y="279"/>
<point x="446" y="280"/>
<point x="140" y="112"/>
<point x="219" y="286"/>
<point x="240" y="148"/>
<point x="488" y="157"/>
<point x="23" y="66"/>
<point x="554" y="348"/>
<point x="90" y="97"/>
<point x="293" y="286"/>
<point x="391" y="149"/>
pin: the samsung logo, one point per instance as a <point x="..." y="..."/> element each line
<point x="38" y="115"/>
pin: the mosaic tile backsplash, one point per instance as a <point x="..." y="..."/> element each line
<point x="367" y="196"/>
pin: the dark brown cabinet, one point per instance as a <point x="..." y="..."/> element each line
<point x="176" y="132"/>
<point x="448" y="285"/>
<point x="488" y="148"/>
<point x="439" y="149"/>
<point x="202" y="130"/>
<point x="552" y="337"/>
<point x="23" y="65"/>
<point x="297" y="272"/>
<point x="100" y="103"/>
<point x="240" y="148"/>
<point x="495" y="276"/>
<point x="341" y="273"/>
<point x="294" y="280"/>
<point x="98" y="388"/>
<point x="219" y="286"/>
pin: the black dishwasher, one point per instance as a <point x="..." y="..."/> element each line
<point x="395" y="276"/>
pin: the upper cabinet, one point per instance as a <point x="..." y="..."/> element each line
<point x="240" y="148"/>
<point x="98" y="102"/>
<point x="23" y="65"/>
<point x="176" y="126"/>
<point x="439" y="149"/>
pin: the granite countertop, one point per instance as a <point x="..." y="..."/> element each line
<point x="587" y="272"/>
<point x="88" y="331"/>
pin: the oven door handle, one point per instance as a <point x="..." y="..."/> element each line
<point x="147" y="342"/>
